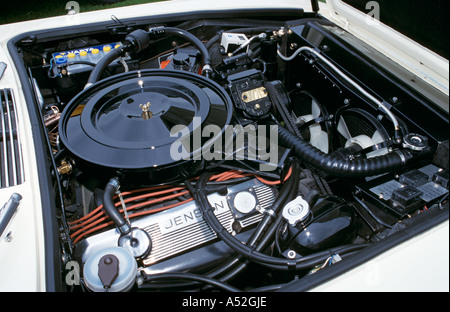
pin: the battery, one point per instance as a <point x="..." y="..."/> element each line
<point x="81" y="60"/>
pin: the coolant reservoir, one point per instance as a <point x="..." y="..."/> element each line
<point x="329" y="223"/>
<point x="112" y="269"/>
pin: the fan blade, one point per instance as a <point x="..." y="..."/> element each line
<point x="343" y="129"/>
<point x="315" y="110"/>
<point x="319" y="138"/>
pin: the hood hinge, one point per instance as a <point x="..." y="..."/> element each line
<point x="315" y="6"/>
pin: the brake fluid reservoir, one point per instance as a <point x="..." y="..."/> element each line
<point x="112" y="269"/>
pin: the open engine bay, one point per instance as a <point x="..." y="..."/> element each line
<point x="230" y="153"/>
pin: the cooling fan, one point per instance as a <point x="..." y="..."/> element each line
<point x="361" y="132"/>
<point x="313" y="121"/>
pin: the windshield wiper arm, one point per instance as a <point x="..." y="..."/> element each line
<point x="8" y="210"/>
<point x="2" y="69"/>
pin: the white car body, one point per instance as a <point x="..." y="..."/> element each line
<point x="418" y="264"/>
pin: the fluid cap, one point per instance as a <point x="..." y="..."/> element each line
<point x="415" y="142"/>
<point x="108" y="270"/>
<point x="181" y="59"/>
<point x="60" y="60"/>
<point x="138" y="243"/>
<point x="121" y="279"/>
<point x="296" y="211"/>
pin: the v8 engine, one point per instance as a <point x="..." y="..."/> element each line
<point x="238" y="153"/>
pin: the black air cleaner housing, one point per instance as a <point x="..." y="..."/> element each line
<point x="122" y="125"/>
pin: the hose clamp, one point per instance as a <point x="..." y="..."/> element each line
<point x="270" y="213"/>
<point x="207" y="68"/>
<point x="115" y="183"/>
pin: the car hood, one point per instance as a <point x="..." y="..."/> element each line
<point x="424" y="23"/>
<point x="415" y="37"/>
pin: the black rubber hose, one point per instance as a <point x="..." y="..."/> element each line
<point x="222" y="233"/>
<point x="139" y="40"/>
<point x="110" y="209"/>
<point x="237" y="263"/>
<point x="251" y="253"/>
<point x="192" y="277"/>
<point x="287" y="193"/>
<point x="178" y="32"/>
<point x="336" y="166"/>
<point x="263" y="239"/>
<point x="102" y="65"/>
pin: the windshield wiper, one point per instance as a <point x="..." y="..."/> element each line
<point x="8" y="210"/>
<point x="2" y="69"/>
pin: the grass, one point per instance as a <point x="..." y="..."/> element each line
<point x="32" y="9"/>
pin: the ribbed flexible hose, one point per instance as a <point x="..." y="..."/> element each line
<point x="336" y="166"/>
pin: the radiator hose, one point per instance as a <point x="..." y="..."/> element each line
<point x="337" y="166"/>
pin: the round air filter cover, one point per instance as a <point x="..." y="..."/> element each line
<point x="125" y="124"/>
